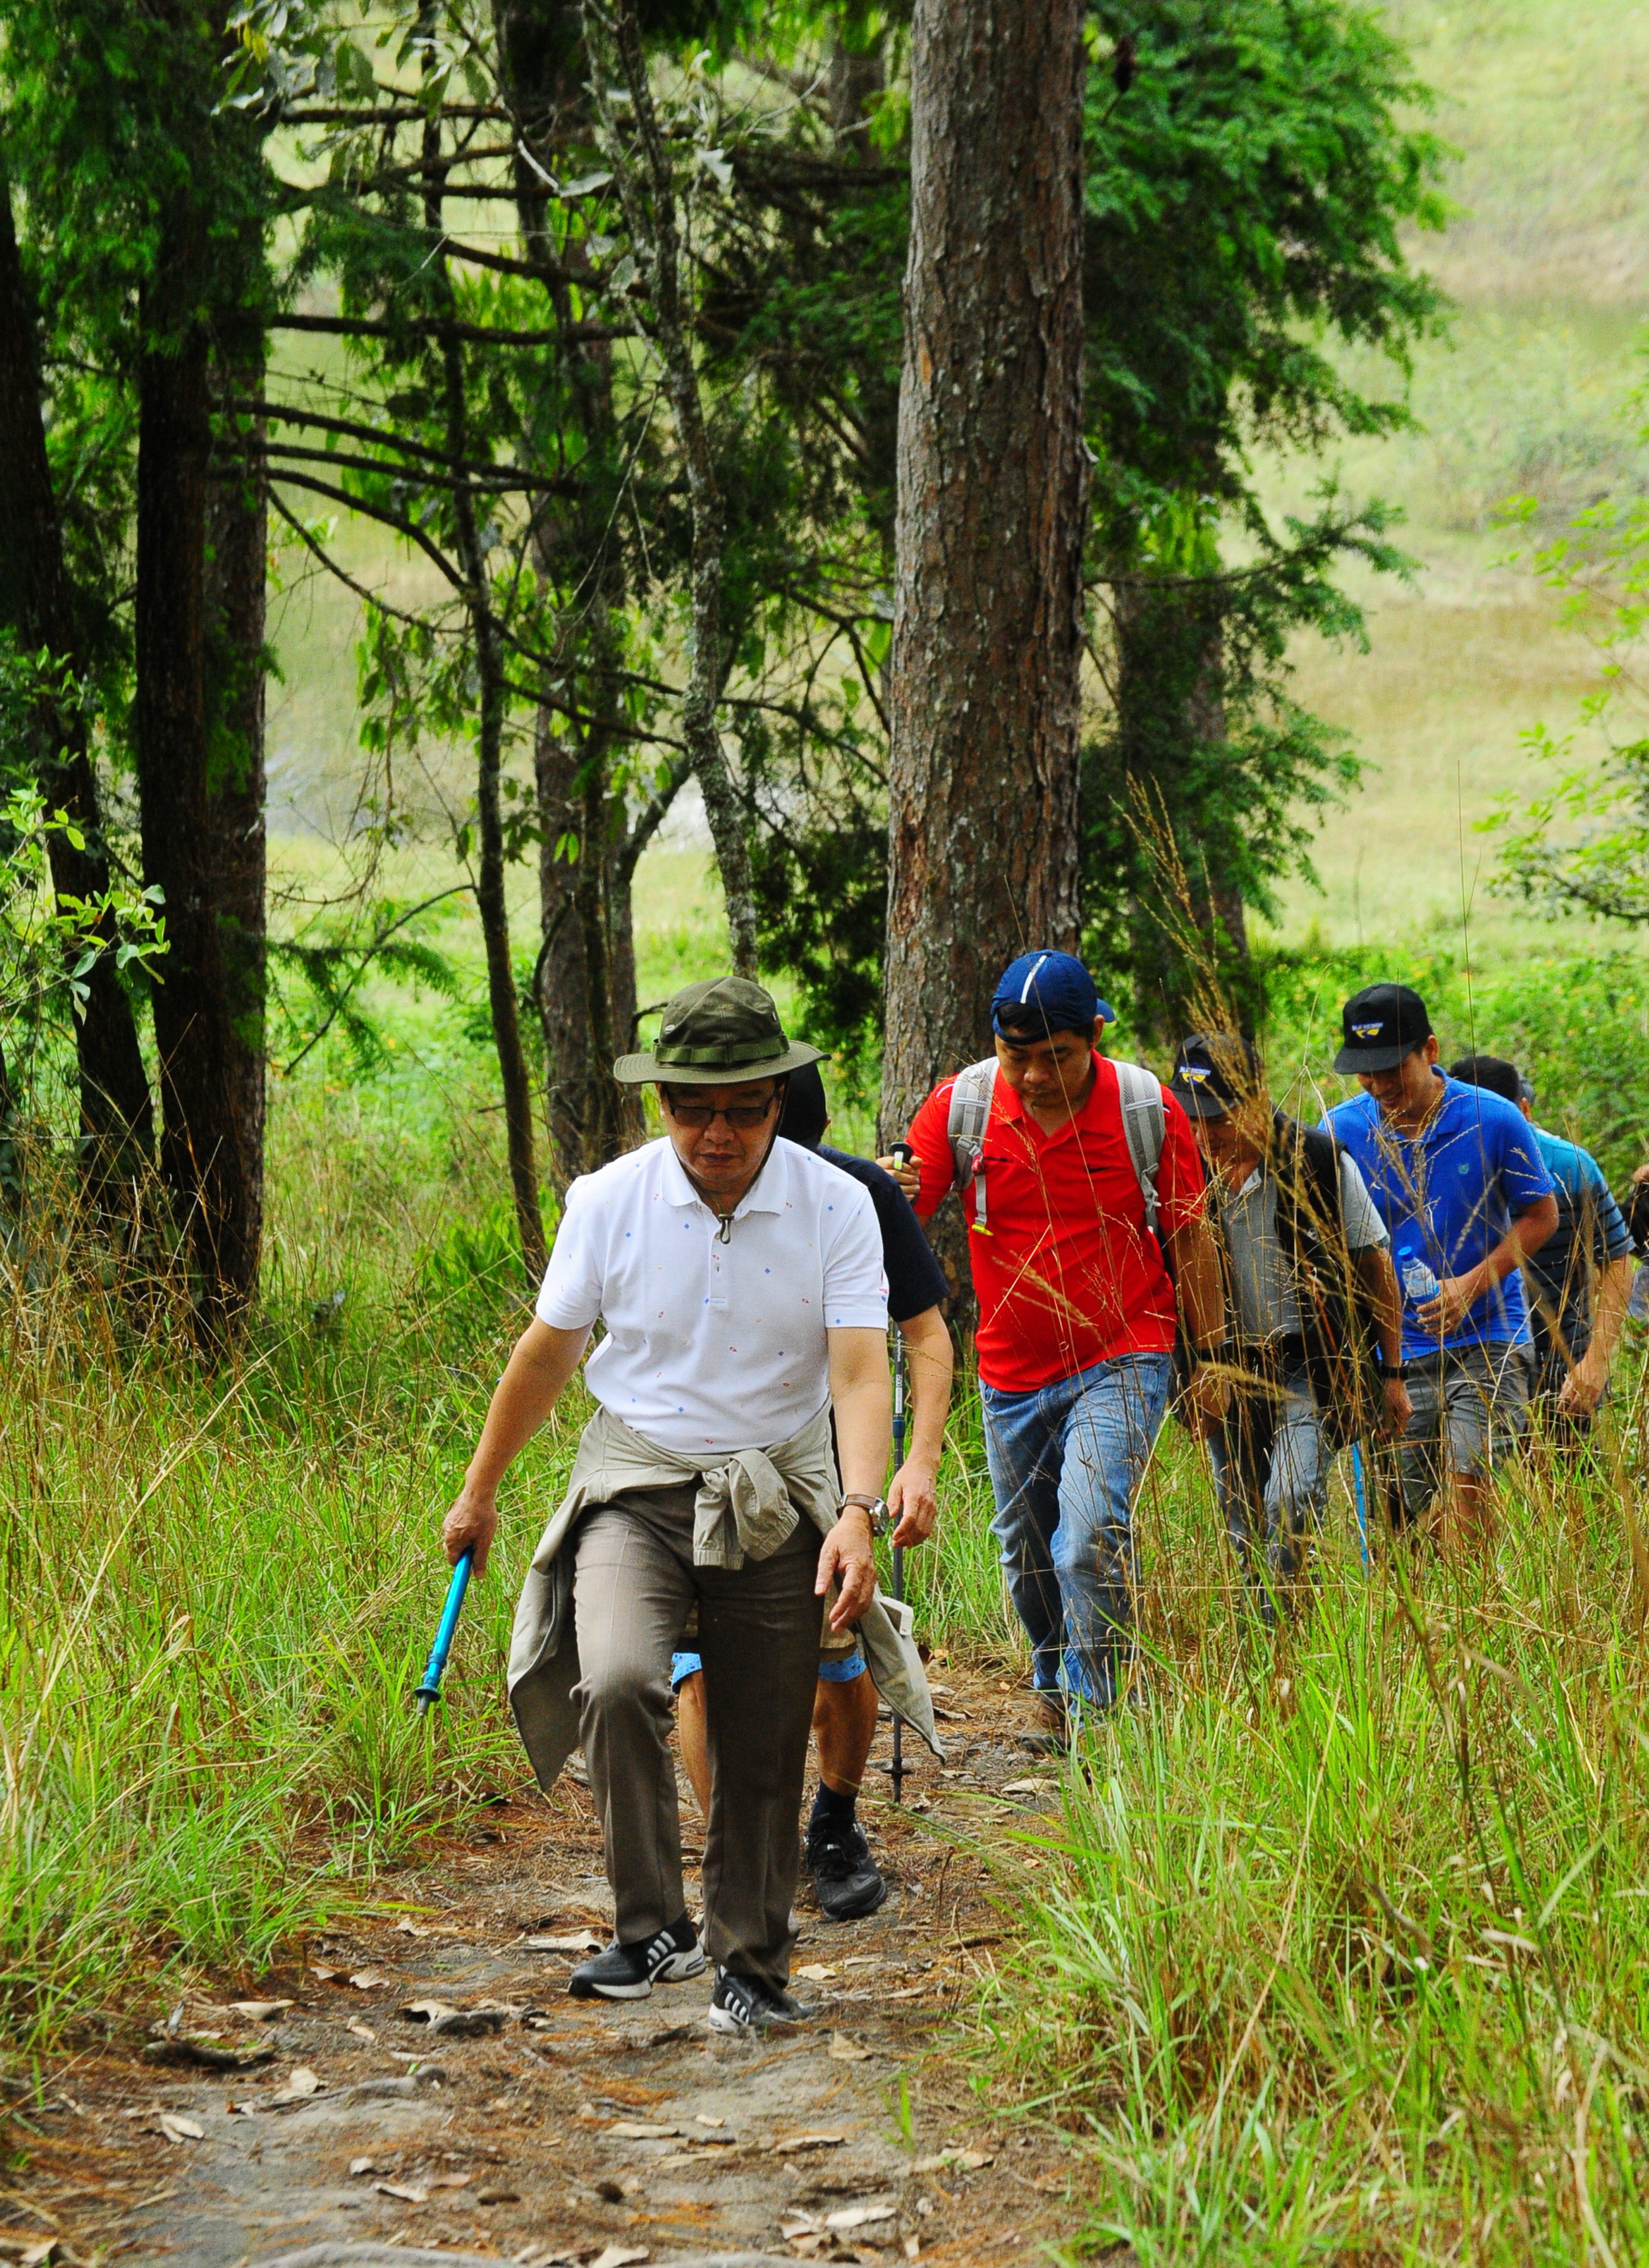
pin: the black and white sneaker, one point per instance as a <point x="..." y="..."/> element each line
<point x="628" y="1972"/>
<point x="846" y="1879"/>
<point x="750" y="2004"/>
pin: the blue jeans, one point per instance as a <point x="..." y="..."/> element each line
<point x="1065" y="1462"/>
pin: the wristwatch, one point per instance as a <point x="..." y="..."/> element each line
<point x="874" y="1509"/>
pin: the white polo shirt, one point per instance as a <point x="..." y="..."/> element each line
<point x="713" y="1345"/>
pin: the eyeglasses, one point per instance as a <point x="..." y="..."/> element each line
<point x="742" y="1116"/>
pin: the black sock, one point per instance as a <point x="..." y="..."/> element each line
<point x="831" y="1809"/>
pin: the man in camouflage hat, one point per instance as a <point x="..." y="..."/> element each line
<point x="740" y="1284"/>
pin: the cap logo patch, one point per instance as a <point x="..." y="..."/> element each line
<point x="1196" y="1072"/>
<point x="1369" y="1031"/>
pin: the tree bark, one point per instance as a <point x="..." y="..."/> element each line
<point x="237" y="557"/>
<point x="982" y="780"/>
<point x="490" y="897"/>
<point x="585" y="979"/>
<point x="37" y="604"/>
<point x="651" y="213"/>
<point x="199" y="1157"/>
<point x="586" y="971"/>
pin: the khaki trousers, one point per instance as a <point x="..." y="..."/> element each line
<point x="634" y="1580"/>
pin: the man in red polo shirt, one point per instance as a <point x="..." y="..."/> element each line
<point x="1077" y="1286"/>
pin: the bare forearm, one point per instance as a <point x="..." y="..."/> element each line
<point x="863" y="1435"/>
<point x="1379" y="1279"/>
<point x="539" y="1368"/>
<point x="930" y="1363"/>
<point x="1196" y="1274"/>
<point x="861" y="1396"/>
<point x="1609" y="1315"/>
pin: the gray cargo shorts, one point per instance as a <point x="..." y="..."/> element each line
<point x="1470" y="1414"/>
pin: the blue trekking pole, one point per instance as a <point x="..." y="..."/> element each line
<point x="431" y="1689"/>
<point x="1359" y="1497"/>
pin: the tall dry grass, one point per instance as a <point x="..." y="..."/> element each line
<point x="1340" y="1949"/>
<point x="220" y="1581"/>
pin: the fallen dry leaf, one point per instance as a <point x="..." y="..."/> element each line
<point x="408" y="1927"/>
<point x="371" y="1980"/>
<point x="792" y="2142"/>
<point x="705" y="2118"/>
<point x="860" y="2216"/>
<point x="621" y="2255"/>
<point x="498" y="2196"/>
<point x="425" y="2012"/>
<point x="1028" y="1787"/>
<point x="362" y="2032"/>
<point x="641" y="2130"/>
<point x="300" y="2085"/>
<point x="450" y="2180"/>
<point x="179" y="2129"/>
<point x="842" y="2050"/>
<point x="261" y="2012"/>
<point x="404" y="2190"/>
<point x="817" y="1970"/>
<point x="365" y="2166"/>
<point x="971" y="2161"/>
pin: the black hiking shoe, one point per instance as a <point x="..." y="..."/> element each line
<point x="846" y="1879"/>
<point x="750" y="2004"/>
<point x="628" y="1972"/>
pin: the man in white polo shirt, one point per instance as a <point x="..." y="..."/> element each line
<point x="740" y="1282"/>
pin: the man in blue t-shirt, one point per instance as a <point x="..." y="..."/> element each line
<point x="1579" y="1282"/>
<point x="1459" y="1181"/>
<point x="846" y="1879"/>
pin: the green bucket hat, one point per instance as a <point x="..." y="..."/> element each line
<point x="716" y="1034"/>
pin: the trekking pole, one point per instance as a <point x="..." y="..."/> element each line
<point x="904" y="1154"/>
<point x="898" y="1549"/>
<point x="431" y="1689"/>
<point x="1360" y="1498"/>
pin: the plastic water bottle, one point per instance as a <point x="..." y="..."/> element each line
<point x="1417" y="1280"/>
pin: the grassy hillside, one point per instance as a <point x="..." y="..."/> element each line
<point x="1547" y="261"/>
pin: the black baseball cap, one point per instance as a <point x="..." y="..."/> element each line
<point x="1381" y="1024"/>
<point x="1213" y="1071"/>
<point x="1493" y="1071"/>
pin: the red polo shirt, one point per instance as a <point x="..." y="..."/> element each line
<point x="1067" y="1274"/>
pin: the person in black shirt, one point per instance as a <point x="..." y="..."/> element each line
<point x="846" y="1879"/>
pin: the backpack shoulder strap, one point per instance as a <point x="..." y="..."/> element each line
<point x="965" y="1131"/>
<point x="1145" y="1123"/>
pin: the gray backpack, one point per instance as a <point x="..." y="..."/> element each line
<point x="1144" y="1124"/>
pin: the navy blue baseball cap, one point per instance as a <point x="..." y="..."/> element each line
<point x="1055" y="985"/>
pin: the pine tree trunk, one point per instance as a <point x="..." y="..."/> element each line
<point x="647" y="193"/>
<point x="237" y="557"/>
<point x="585" y="980"/>
<point x="490" y="897"/>
<point x="586" y="971"/>
<point x="36" y="604"/>
<point x="982" y="784"/>
<point x="199" y="1157"/>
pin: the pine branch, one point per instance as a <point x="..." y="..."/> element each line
<point x="365" y="326"/>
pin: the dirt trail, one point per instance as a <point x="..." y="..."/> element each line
<point x="577" y="2132"/>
